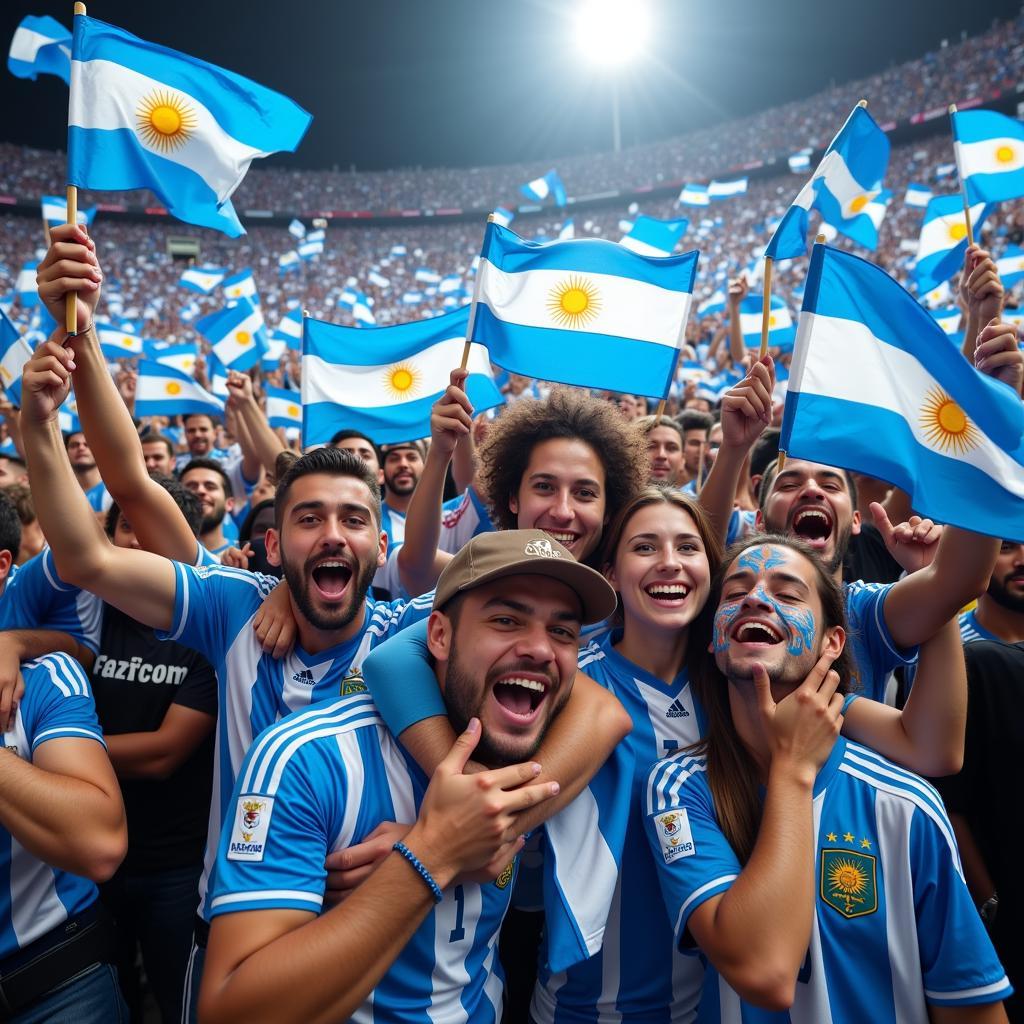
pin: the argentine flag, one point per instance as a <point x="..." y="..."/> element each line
<point x="288" y="261"/>
<point x="781" y="329"/>
<point x="549" y="185"/>
<point x="398" y="251"/>
<point x="144" y="116"/>
<point x="714" y="304"/>
<point x="118" y="343"/>
<point x="25" y="284"/>
<point x="237" y="335"/>
<point x="567" y="230"/>
<point x="181" y="357"/>
<point x="289" y="330"/>
<point x="55" y="211"/>
<point x="587" y="312"/>
<point x="310" y="248"/>
<point x="947" y="318"/>
<point x="202" y="279"/>
<point x="424" y="275"/>
<point x="863" y="226"/>
<point x="284" y="407"/>
<point x="694" y="195"/>
<point x="241" y="286"/>
<point x="943" y="241"/>
<point x="385" y="381"/>
<point x="40" y="45"/>
<point x="727" y="189"/>
<point x="296" y="228"/>
<point x="917" y="195"/>
<point x="648" y="236"/>
<point x="876" y="387"/>
<point x="270" y="359"/>
<point x="503" y="216"/>
<point x="848" y="178"/>
<point x="165" y="391"/>
<point x="377" y="279"/>
<point x="14" y="354"/>
<point x="1010" y="266"/>
<point x="989" y="155"/>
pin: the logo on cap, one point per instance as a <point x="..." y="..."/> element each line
<point x="541" y="549"/>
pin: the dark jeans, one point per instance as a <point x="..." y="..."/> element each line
<point x="90" y="998"/>
<point x="155" y="912"/>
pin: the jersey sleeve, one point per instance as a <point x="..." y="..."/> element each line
<point x="276" y="835"/>
<point x="692" y="857"/>
<point x="212" y="604"/>
<point x="865" y="608"/>
<point x="400" y="678"/>
<point x="58" y="703"/>
<point x="37" y="598"/>
<point x="958" y="962"/>
<point x="240" y="487"/>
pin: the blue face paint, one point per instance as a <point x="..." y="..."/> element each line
<point x="760" y="560"/>
<point x="724" y="618"/>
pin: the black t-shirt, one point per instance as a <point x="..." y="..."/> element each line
<point x="868" y="559"/>
<point x="987" y="791"/>
<point x="135" y="679"/>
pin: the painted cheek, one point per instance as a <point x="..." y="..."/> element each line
<point x="801" y="628"/>
<point x="724" y="618"/>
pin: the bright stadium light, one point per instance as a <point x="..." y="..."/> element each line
<point x="611" y="32"/>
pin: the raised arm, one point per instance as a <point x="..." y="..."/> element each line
<point x="139" y="583"/>
<point x="419" y="561"/>
<point x="738" y="290"/>
<point x="260" y="445"/>
<point x="981" y="295"/>
<point x="156" y="519"/>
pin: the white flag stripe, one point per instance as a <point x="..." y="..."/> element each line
<point x="107" y="96"/>
<point x="365" y="387"/>
<point x="937" y="235"/>
<point x="750" y="323"/>
<point x="885" y="377"/>
<point x="981" y="158"/>
<point x="26" y="44"/>
<point x="641" y="248"/>
<point x="624" y="307"/>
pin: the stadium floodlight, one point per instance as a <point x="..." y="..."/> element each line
<point x="610" y="33"/>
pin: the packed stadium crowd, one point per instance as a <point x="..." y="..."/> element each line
<point x="583" y="708"/>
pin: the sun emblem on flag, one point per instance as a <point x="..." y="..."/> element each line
<point x="574" y="302"/>
<point x="172" y="387"/>
<point x="946" y="425"/>
<point x="293" y="411"/>
<point x="858" y="203"/>
<point x="165" y="120"/>
<point x="1005" y="153"/>
<point x="243" y="338"/>
<point x="957" y="231"/>
<point x="772" y="321"/>
<point x="402" y="380"/>
<point x="127" y="341"/>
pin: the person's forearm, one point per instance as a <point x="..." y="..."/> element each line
<point x="718" y="495"/>
<point x="737" y="350"/>
<point x="976" y="873"/>
<point x="716" y="340"/>
<point x="323" y="970"/>
<point x="417" y="558"/>
<point x="34" y="643"/>
<point x="971" y="329"/>
<point x="66" y="822"/>
<point x="260" y="445"/>
<point x="464" y="463"/>
<point x="762" y="924"/>
<point x="14" y="432"/>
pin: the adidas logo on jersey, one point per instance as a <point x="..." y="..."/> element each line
<point x="676" y="710"/>
<point x="305" y="677"/>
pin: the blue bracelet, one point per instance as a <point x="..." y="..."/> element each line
<point x="427" y="877"/>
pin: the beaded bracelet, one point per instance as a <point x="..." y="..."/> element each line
<point x="411" y="857"/>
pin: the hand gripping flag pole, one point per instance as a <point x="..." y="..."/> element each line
<point x="71" y="299"/>
<point x="963" y="183"/>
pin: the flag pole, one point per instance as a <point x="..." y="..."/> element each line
<point x="472" y="312"/>
<point x="766" y="305"/>
<point x="71" y="300"/>
<point x="963" y="184"/>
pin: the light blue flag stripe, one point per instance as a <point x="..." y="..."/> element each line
<point x="507" y="251"/>
<point x="979" y="126"/>
<point x="50" y="59"/>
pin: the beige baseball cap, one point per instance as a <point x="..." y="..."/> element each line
<point x="491" y="556"/>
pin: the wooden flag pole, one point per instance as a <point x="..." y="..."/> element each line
<point x="766" y="306"/>
<point x="963" y="184"/>
<point x="71" y="299"/>
<point x="472" y="312"/>
<point x="660" y="412"/>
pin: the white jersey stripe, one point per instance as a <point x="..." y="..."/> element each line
<point x="64" y="731"/>
<point x="355" y="775"/>
<point x="35" y="906"/>
<point x="183" y="589"/>
<point x="970" y="993"/>
<point x="268" y="894"/>
<point x="696" y="895"/>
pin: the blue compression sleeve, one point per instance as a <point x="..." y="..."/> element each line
<point x="401" y="680"/>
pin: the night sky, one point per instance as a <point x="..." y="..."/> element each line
<point x="395" y="83"/>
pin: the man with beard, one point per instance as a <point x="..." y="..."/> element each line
<point x="1000" y="611"/>
<point x="403" y="466"/>
<point x="211" y="485"/>
<point x="84" y="465"/>
<point x="664" y="449"/>
<point x="504" y="635"/>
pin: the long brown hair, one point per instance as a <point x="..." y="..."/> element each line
<point x="732" y="772"/>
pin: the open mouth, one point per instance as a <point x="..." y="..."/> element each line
<point x="331" y="578"/>
<point x="670" y="594"/>
<point x="757" y="633"/>
<point x="520" y="696"/>
<point x="564" y="537"/>
<point x="813" y="525"/>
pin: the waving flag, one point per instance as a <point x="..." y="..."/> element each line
<point x="284" y="408"/>
<point x="943" y="241"/>
<point x="25" y="284"/>
<point x="694" y="195"/>
<point x="384" y="381"/>
<point x="310" y="248"/>
<point x="181" y="357"/>
<point x="549" y="185"/>
<point x="567" y="230"/>
<point x="917" y="195"/>
<point x="41" y="46"/>
<point x="713" y="304"/>
<point x="651" y="237"/>
<point x="424" y="275"/>
<point x="297" y="228"/>
<point x="289" y="330"/>
<point x="727" y="189"/>
<point x="781" y="329"/>
<point x="1010" y="265"/>
<point x="863" y="226"/>
<point x="14" y="354"/>
<point x="398" y="251"/>
<point x="948" y="319"/>
<point x="165" y="391"/>
<point x="876" y="387"/>
<point x="237" y="334"/>
<point x="586" y="312"/>
<point x="118" y="343"/>
<point x="288" y="261"/>
<point x="55" y="212"/>
<point x="503" y="216"/>
<point x="202" y="279"/>
<point x="989" y="155"/>
<point x="847" y="179"/>
<point x="412" y="298"/>
<point x="241" y="286"/>
<point x="270" y="358"/>
<point x="144" y="116"/>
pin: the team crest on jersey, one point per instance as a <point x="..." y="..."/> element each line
<point x="249" y="834"/>
<point x="506" y="876"/>
<point x="675" y="835"/>
<point x="848" y="882"/>
<point x="353" y="683"/>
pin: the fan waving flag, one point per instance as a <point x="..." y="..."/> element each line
<point x="144" y="116"/>
<point x="587" y="312"/>
<point x="40" y="46"/>
<point x="847" y="179"/>
<point x="384" y="382"/>
<point x="943" y="242"/>
<point x="165" y="391"/>
<point x="877" y="387"/>
<point x="989" y="155"/>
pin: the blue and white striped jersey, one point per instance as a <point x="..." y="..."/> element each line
<point x="894" y="927"/>
<point x="971" y="629"/>
<point x="213" y="611"/>
<point x="462" y="518"/>
<point x="392" y="523"/>
<point x="99" y="497"/>
<point x="34" y="897"/>
<point x="322" y="780"/>
<point x="35" y="597"/>
<point x="638" y="975"/>
<point x="874" y="649"/>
